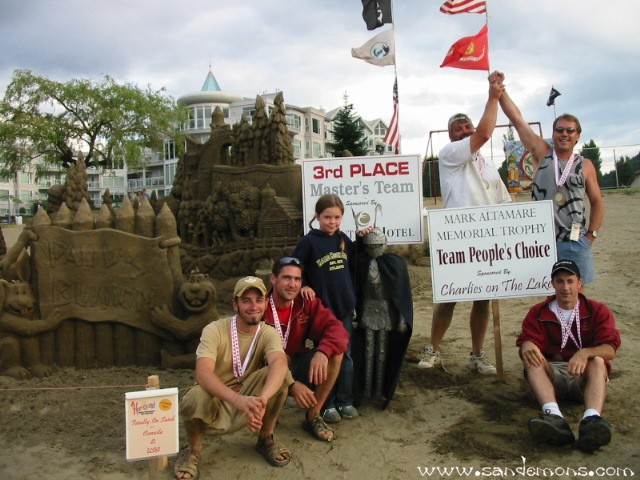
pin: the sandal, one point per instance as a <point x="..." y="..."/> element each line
<point x="273" y="452"/>
<point x="319" y="429"/>
<point x="187" y="462"/>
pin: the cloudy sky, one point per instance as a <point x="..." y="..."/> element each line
<point x="587" y="49"/>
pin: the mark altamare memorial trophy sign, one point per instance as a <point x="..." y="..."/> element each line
<point x="491" y="252"/>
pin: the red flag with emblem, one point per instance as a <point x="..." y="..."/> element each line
<point x="471" y="53"/>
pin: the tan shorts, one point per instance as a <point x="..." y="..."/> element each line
<point x="565" y="385"/>
<point x="222" y="417"/>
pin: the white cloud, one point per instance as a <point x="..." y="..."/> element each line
<point x="583" y="47"/>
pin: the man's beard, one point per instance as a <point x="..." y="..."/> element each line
<point x="252" y="320"/>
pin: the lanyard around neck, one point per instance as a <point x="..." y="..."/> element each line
<point x="565" y="325"/>
<point x="560" y="181"/>
<point x="276" y="322"/>
<point x="240" y="367"/>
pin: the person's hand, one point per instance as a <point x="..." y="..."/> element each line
<point x="318" y="368"/>
<point x="531" y="355"/>
<point x="254" y="408"/>
<point x="496" y="77"/>
<point x="303" y="395"/>
<point x="364" y="231"/>
<point x="578" y="363"/>
<point x="495" y="89"/>
<point x="307" y="293"/>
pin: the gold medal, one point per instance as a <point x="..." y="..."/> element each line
<point x="559" y="199"/>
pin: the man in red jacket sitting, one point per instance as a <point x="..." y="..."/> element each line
<point x="566" y="345"/>
<point x="314" y="368"/>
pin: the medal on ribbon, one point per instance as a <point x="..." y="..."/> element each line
<point x="560" y="198"/>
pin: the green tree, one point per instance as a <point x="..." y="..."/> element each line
<point x="49" y="120"/>
<point x="592" y="152"/>
<point x="625" y="171"/>
<point x="348" y="134"/>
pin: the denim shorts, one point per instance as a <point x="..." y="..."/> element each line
<point x="579" y="252"/>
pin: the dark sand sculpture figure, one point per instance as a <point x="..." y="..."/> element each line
<point x="3" y="244"/>
<point x="75" y="187"/>
<point x="197" y="297"/>
<point x="107" y="199"/>
<point x="384" y="317"/>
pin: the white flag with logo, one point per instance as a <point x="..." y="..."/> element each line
<point x="380" y="50"/>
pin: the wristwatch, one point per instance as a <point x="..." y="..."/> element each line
<point x="594" y="233"/>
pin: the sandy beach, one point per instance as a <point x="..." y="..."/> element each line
<point x="71" y="425"/>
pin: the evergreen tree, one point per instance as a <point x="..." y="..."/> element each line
<point x="592" y="152"/>
<point x="625" y="171"/>
<point x="348" y="134"/>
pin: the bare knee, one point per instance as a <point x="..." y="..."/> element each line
<point x="443" y="311"/>
<point x="596" y="367"/>
<point x="480" y="307"/>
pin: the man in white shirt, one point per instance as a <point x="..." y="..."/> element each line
<point x="467" y="179"/>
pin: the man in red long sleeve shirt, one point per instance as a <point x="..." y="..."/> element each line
<point x="297" y="320"/>
<point x="566" y="345"/>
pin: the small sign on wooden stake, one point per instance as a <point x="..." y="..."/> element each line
<point x="151" y="423"/>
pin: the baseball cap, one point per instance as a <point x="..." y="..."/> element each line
<point x="459" y="117"/>
<point x="246" y="283"/>
<point x="567" y="265"/>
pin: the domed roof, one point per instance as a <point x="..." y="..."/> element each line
<point x="210" y="93"/>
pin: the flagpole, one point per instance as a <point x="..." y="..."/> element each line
<point x="486" y="22"/>
<point x="395" y="74"/>
<point x="393" y="25"/>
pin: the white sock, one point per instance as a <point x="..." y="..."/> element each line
<point x="590" y="412"/>
<point x="551" y="408"/>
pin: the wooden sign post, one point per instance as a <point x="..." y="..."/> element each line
<point x="152" y="425"/>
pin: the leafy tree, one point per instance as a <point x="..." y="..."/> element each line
<point x="348" y="134"/>
<point x="592" y="152"/>
<point x="49" y="120"/>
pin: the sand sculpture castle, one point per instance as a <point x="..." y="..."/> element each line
<point x="136" y="285"/>
<point x="237" y="198"/>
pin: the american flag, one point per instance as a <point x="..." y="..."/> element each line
<point x="452" y="7"/>
<point x="393" y="132"/>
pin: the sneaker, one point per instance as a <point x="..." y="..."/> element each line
<point x="594" y="432"/>
<point x="348" y="411"/>
<point x="481" y="364"/>
<point x="430" y="358"/>
<point x="552" y="429"/>
<point x="331" y="415"/>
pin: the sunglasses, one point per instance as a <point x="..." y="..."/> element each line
<point x="284" y="261"/>
<point x="563" y="129"/>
